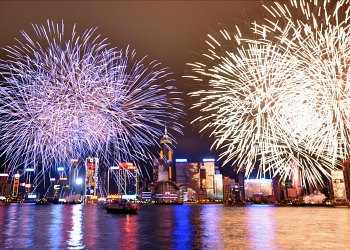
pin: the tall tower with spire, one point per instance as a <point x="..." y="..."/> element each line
<point x="162" y="167"/>
<point x="166" y="151"/>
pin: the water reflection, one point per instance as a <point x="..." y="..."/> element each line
<point x="211" y="218"/>
<point x="326" y="228"/>
<point x="26" y="217"/>
<point x="124" y="231"/>
<point x="11" y="223"/>
<point x="183" y="231"/>
<point x="155" y="220"/>
<point x="55" y="228"/>
<point x="197" y="227"/>
<point x="129" y="231"/>
<point x="28" y="226"/>
<point x="2" y="218"/>
<point x="75" y="234"/>
<point x="260" y="223"/>
<point x="232" y="228"/>
<point x="89" y="224"/>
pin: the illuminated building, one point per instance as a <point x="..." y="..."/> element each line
<point x="206" y="174"/>
<point x="258" y="190"/>
<point x="63" y="175"/>
<point x="203" y="178"/>
<point x="146" y="196"/>
<point x="91" y="177"/>
<point x="290" y="189"/>
<point x="346" y="171"/>
<point x="231" y="189"/>
<point x="277" y="189"/>
<point x="218" y="193"/>
<point x="54" y="189"/>
<point x="163" y="186"/>
<point x="187" y="176"/>
<point x="167" y="191"/>
<point x="296" y="180"/>
<point x="338" y="186"/>
<point x="5" y="188"/>
<point x="63" y="187"/>
<point x="74" y="176"/>
<point x="31" y="197"/>
<point x="126" y="176"/>
<point x="29" y="174"/>
<point x="162" y="166"/>
<point x="15" y="185"/>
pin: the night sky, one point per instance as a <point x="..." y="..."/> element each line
<point x="172" y="32"/>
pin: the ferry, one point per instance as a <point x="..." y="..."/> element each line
<point x="121" y="207"/>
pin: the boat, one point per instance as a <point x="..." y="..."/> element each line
<point x="121" y="207"/>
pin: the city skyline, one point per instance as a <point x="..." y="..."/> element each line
<point x="292" y="116"/>
<point x="93" y="97"/>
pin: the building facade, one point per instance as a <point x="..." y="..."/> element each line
<point x="5" y="188"/>
<point x="338" y="188"/>
<point x="203" y="178"/>
<point x="258" y="190"/>
<point x="91" y="176"/>
<point x="346" y="172"/>
<point x="163" y="166"/>
<point x="163" y="187"/>
<point x="229" y="187"/>
<point x="126" y="176"/>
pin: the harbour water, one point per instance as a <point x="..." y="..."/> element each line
<point x="212" y="226"/>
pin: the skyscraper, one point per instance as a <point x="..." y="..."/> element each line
<point x="162" y="166"/>
<point x="338" y="186"/>
<point x="346" y="171"/>
<point x="201" y="177"/>
<point x="91" y="179"/>
<point x="127" y="177"/>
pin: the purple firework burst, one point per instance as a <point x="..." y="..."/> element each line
<point x="64" y="98"/>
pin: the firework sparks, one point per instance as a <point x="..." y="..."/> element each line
<point x="64" y="98"/>
<point x="281" y="99"/>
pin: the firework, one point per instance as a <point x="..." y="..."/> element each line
<point x="318" y="37"/>
<point x="64" y="98"/>
<point x="280" y="99"/>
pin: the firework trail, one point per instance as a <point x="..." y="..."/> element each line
<point x="282" y="98"/>
<point x="319" y="39"/>
<point x="64" y="98"/>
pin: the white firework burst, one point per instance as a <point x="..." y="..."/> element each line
<point x="283" y="98"/>
<point x="64" y="98"/>
<point x="317" y="34"/>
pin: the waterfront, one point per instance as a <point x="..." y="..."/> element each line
<point x="174" y="227"/>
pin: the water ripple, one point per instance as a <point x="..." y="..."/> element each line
<point x="27" y="226"/>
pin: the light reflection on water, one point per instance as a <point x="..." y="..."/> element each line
<point x="75" y="234"/>
<point x="183" y="231"/>
<point x="260" y="224"/>
<point x="174" y="227"/>
<point x="55" y="232"/>
<point x="211" y="220"/>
